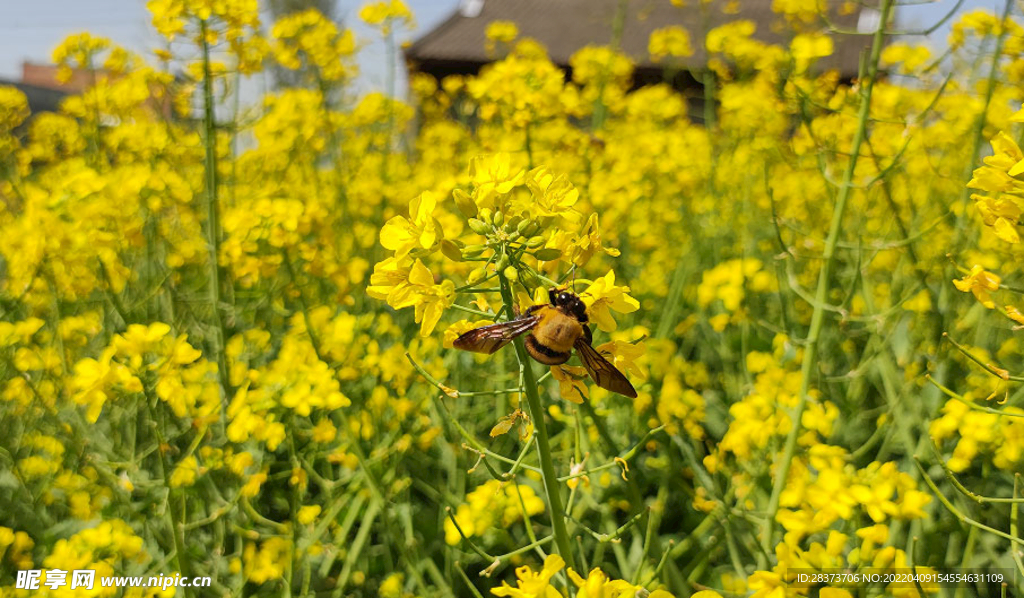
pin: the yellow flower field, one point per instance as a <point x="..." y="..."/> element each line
<point x="230" y="335"/>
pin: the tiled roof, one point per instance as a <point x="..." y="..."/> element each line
<point x="565" y="26"/>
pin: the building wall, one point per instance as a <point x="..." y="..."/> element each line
<point x="45" y="75"/>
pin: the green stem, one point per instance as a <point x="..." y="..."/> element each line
<point x="986" y="366"/>
<point x="547" y="465"/>
<point x="213" y="214"/>
<point x="356" y="548"/>
<point x="979" y="126"/>
<point x="949" y="393"/>
<point x="960" y="516"/>
<point x="381" y="502"/>
<point x="708" y="81"/>
<point x="296" y="529"/>
<point x="480" y="551"/>
<point x="175" y="513"/>
<point x="465" y="578"/>
<point x="652" y="518"/>
<point x="968" y="556"/>
<point x="1014" y="530"/>
<point x="821" y="294"/>
<point x="971" y="495"/>
<point x="314" y="338"/>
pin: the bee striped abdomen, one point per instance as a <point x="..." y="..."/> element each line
<point x="543" y="354"/>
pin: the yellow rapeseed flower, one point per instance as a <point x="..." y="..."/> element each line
<point x="533" y="585"/>
<point x="419" y="231"/>
<point x="603" y="296"/>
<point x="307" y="514"/>
<point x="671" y="41"/>
<point x="493" y="177"/>
<point x="981" y="283"/>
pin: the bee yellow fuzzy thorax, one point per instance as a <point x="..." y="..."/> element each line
<point x="556" y="330"/>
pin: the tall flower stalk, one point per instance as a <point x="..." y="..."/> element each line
<point x="521" y="228"/>
<point x="212" y="210"/>
<point x="544" y="454"/>
<point x="824" y="277"/>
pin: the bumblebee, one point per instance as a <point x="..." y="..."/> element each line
<point x="554" y="331"/>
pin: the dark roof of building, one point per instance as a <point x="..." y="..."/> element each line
<point x="565" y="26"/>
<point x="40" y="99"/>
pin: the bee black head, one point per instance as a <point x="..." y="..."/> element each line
<point x="569" y="302"/>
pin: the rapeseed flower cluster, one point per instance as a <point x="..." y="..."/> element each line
<point x="310" y="43"/>
<point x="491" y="506"/>
<point x="530" y="584"/>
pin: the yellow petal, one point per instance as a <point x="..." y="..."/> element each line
<point x="834" y="593"/>
<point x="1006" y="231"/>
<point x="420" y="275"/>
<point x="393" y="234"/>
<point x="431" y="315"/>
<point x="427" y="237"/>
<point x="422" y="207"/>
<point x="1003" y="144"/>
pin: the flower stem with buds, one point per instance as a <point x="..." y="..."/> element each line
<point x="547" y="465"/>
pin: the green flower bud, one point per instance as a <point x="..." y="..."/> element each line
<point x="511" y="274"/>
<point x="476" y="275"/>
<point x="465" y="203"/>
<point x="498" y="218"/>
<point x="473" y="250"/>
<point x="535" y="242"/>
<point x="527" y="228"/>
<point x="548" y="254"/>
<point x="530" y="279"/>
<point x="451" y="250"/>
<point x="513" y="223"/>
<point x="479" y="227"/>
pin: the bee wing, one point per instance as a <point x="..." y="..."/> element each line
<point x="605" y="375"/>
<point x="488" y="339"/>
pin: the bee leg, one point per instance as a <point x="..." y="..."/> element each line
<point x="552" y="293"/>
<point x="530" y="310"/>
<point x="588" y="335"/>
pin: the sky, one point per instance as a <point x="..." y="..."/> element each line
<point x="29" y="29"/>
